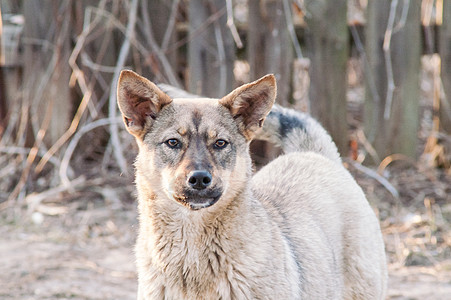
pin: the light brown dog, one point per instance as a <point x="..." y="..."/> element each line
<point x="300" y="228"/>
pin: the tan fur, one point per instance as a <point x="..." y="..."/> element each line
<point x="300" y="228"/>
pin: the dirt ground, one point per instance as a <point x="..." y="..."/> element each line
<point x="79" y="245"/>
<point x="79" y="253"/>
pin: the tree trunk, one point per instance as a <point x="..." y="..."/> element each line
<point x="328" y="46"/>
<point x="445" y="55"/>
<point x="102" y="51"/>
<point x="269" y="46"/>
<point x="211" y="50"/>
<point x="46" y="69"/>
<point x="162" y="16"/>
<point x="392" y="92"/>
<point x="3" y="103"/>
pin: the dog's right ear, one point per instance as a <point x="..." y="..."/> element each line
<point x="139" y="101"/>
<point x="250" y="103"/>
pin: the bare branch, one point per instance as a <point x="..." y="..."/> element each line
<point x="34" y="200"/>
<point x="26" y="151"/>
<point x="212" y="18"/>
<point x="32" y="154"/>
<point x="87" y="93"/>
<point x="369" y="75"/>
<point x="171" y="25"/>
<point x="231" y="24"/>
<point x="74" y="141"/>
<point x="291" y="31"/>
<point x="154" y="46"/>
<point x="403" y="19"/>
<point x="112" y="107"/>
<point x="388" y="62"/>
<point x="222" y="59"/>
<point x="373" y="174"/>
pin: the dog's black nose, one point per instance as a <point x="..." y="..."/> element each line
<point x="199" y="180"/>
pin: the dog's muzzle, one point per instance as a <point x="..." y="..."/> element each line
<point x="199" y="180"/>
<point x="198" y="201"/>
<point x="199" y="191"/>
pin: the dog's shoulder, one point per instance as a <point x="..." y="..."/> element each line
<point x="307" y="183"/>
<point x="300" y="167"/>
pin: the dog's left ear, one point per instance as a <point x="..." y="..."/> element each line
<point x="250" y="104"/>
<point x="140" y="101"/>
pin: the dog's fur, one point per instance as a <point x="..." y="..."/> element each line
<point x="300" y="228"/>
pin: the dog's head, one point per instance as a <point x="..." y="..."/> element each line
<point x="193" y="150"/>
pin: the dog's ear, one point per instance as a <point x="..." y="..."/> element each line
<point x="250" y="103"/>
<point x="139" y="101"/>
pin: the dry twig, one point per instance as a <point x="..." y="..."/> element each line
<point x="112" y="107"/>
<point x="388" y="60"/>
<point x="155" y="48"/>
<point x="291" y="31"/>
<point x="64" y="167"/>
<point x="373" y="174"/>
<point x="231" y="25"/>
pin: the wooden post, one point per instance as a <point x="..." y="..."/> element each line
<point x="269" y="46"/>
<point x="445" y="55"/>
<point x="392" y="90"/>
<point x="3" y="103"/>
<point x="102" y="50"/>
<point x="46" y="69"/>
<point x="161" y="16"/>
<point x="211" y="50"/>
<point x="328" y="47"/>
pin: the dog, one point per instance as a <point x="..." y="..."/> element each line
<point x="300" y="228"/>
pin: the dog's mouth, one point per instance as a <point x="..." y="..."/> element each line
<point x="196" y="202"/>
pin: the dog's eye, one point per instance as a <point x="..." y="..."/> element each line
<point x="220" y="144"/>
<point x="173" y="143"/>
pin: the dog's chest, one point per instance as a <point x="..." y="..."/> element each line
<point x="200" y="267"/>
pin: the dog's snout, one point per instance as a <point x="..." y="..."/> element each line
<point x="199" y="180"/>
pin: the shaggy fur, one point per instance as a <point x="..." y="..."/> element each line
<point x="300" y="228"/>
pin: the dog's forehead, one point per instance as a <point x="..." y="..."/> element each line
<point x="204" y="116"/>
<point x="195" y="103"/>
<point x="198" y="112"/>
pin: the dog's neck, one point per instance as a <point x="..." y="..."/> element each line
<point x="167" y="216"/>
<point x="199" y="241"/>
<point x="191" y="253"/>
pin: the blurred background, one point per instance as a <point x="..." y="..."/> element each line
<point x="376" y="74"/>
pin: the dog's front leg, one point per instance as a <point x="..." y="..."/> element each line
<point x="146" y="294"/>
<point x="151" y="289"/>
<point x="140" y="293"/>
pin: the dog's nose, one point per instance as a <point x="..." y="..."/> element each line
<point x="199" y="180"/>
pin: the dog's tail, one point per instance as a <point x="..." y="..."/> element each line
<point x="175" y="92"/>
<point x="297" y="132"/>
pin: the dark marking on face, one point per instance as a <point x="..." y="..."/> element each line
<point x="198" y="156"/>
<point x="196" y="119"/>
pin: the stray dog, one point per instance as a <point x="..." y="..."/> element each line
<point x="300" y="228"/>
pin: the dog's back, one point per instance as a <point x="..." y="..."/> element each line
<point x="300" y="229"/>
<point x="321" y="210"/>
